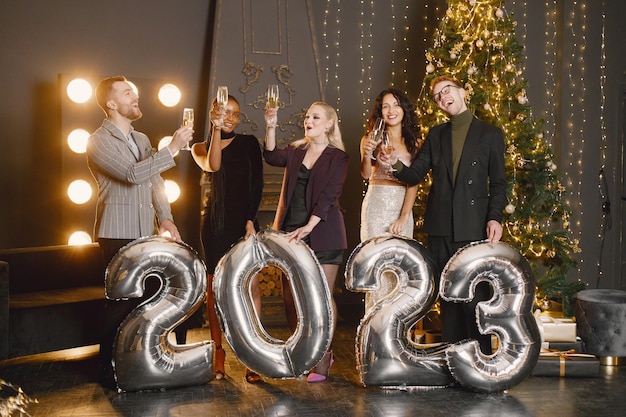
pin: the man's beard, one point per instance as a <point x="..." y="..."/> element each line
<point x="132" y="113"/>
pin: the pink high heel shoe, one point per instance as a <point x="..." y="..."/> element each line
<point x="319" y="377"/>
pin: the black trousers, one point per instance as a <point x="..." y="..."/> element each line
<point x="114" y="311"/>
<point x="458" y="320"/>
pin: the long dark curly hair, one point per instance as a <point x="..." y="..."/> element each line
<point x="410" y="129"/>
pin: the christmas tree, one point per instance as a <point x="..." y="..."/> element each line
<point x="476" y="44"/>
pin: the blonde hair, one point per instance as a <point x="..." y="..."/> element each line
<point x="333" y="134"/>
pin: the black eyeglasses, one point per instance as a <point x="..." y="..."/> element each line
<point x="444" y="90"/>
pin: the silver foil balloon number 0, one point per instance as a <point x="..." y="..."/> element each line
<point x="243" y="329"/>
<point x="386" y="357"/>
<point x="143" y="356"/>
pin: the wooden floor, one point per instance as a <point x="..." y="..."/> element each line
<point x="66" y="384"/>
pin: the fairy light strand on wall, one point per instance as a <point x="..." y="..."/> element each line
<point x="337" y="49"/>
<point x="394" y="43"/>
<point x="602" y="183"/>
<point x="549" y="78"/>
<point x="336" y="45"/>
<point x="603" y="141"/>
<point x="326" y="48"/>
<point x="407" y="48"/>
<point x="366" y="56"/>
<point x="576" y="122"/>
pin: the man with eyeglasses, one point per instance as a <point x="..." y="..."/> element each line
<point x="466" y="198"/>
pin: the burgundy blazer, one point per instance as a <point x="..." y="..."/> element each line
<point x="322" y="193"/>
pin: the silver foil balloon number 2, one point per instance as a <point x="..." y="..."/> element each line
<point x="143" y="356"/>
<point x="386" y="355"/>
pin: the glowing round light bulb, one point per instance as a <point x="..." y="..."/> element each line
<point x="79" y="90"/>
<point x="172" y="190"/>
<point x="169" y="95"/>
<point x="77" y="140"/>
<point x="79" y="191"/>
<point x="79" y="238"/>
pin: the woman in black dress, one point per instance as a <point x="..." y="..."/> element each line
<point x="233" y="169"/>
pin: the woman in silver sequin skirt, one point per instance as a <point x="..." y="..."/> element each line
<point x="387" y="207"/>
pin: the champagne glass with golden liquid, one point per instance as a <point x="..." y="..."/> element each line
<point x="387" y="146"/>
<point x="272" y="95"/>
<point x="187" y="121"/>
<point x="377" y="134"/>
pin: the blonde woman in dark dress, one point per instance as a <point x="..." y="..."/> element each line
<point x="308" y="208"/>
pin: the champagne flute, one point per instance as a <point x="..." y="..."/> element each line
<point x="222" y="97"/>
<point x="387" y="146"/>
<point x="187" y="121"/>
<point x="377" y="132"/>
<point x="379" y="126"/>
<point x="272" y="95"/>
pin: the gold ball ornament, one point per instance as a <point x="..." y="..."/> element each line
<point x="499" y="13"/>
<point x="430" y="68"/>
<point x="509" y="209"/>
<point x="480" y="43"/>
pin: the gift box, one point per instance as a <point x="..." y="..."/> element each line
<point x="556" y="329"/>
<point x="576" y="346"/>
<point x="567" y="364"/>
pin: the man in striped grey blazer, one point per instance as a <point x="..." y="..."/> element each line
<point x="131" y="195"/>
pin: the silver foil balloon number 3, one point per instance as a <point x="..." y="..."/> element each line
<point x="143" y="356"/>
<point x="385" y="355"/>
<point x="508" y="315"/>
<point x="243" y="329"/>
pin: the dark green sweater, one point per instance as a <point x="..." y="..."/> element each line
<point x="460" y="125"/>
